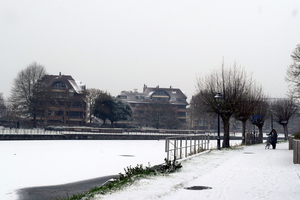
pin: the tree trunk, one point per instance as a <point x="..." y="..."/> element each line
<point x="260" y="134"/>
<point x="226" y="138"/>
<point x="244" y="132"/>
<point x="34" y="121"/>
<point x="285" y="130"/>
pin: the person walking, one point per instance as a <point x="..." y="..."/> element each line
<point x="273" y="140"/>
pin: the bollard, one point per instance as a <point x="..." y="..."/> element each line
<point x="296" y="151"/>
<point x="291" y="142"/>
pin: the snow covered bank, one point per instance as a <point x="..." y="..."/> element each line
<point x="249" y="173"/>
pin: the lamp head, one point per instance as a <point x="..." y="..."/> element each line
<point x="218" y="96"/>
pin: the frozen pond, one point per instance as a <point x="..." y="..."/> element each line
<point x="53" y="162"/>
<point x="39" y="163"/>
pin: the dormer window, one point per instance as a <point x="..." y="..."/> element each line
<point x="59" y="85"/>
<point x="140" y="97"/>
<point x="160" y="95"/>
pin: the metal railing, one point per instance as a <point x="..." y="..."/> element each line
<point x="17" y="131"/>
<point x="96" y="131"/>
<point x="183" y="146"/>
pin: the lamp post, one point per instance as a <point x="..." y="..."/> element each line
<point x="218" y="97"/>
<point x="271" y="119"/>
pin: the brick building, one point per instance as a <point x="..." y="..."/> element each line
<point x="151" y="94"/>
<point x="60" y="100"/>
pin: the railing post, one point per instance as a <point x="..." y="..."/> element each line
<point x="167" y="148"/>
<point x="175" y="148"/>
<point x="186" y="146"/>
<point x="195" y="147"/>
<point x="180" y="148"/>
<point x="208" y="140"/>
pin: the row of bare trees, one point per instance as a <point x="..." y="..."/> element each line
<point x="243" y="99"/>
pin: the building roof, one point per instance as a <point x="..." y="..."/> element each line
<point x="174" y="95"/>
<point x="77" y="86"/>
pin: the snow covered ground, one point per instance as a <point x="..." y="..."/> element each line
<point x="251" y="173"/>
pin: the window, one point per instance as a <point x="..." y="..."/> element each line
<point x="140" y="97"/>
<point x="160" y="95"/>
<point x="122" y="96"/>
<point x="139" y="112"/>
<point x="59" y="85"/>
<point x="78" y="104"/>
<point x="51" y="112"/>
<point x="180" y="99"/>
<point x="181" y="107"/>
<point x="75" y="115"/>
<point x="59" y="113"/>
<point x="181" y="114"/>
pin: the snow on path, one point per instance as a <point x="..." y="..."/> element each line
<point x="249" y="173"/>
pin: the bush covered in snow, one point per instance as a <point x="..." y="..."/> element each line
<point x="131" y="174"/>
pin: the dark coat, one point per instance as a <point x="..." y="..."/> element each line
<point x="274" y="136"/>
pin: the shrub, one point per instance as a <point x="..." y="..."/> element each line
<point x="131" y="174"/>
<point x="297" y="136"/>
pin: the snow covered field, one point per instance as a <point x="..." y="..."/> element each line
<point x="42" y="163"/>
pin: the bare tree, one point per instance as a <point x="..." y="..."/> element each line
<point x="293" y="74"/>
<point x="283" y="110"/>
<point x="91" y="97"/>
<point x="260" y="114"/>
<point x="234" y="85"/>
<point x="253" y="95"/>
<point x="39" y="101"/>
<point x="23" y="86"/>
<point x="2" y="106"/>
<point x="160" y="114"/>
<point x="198" y="114"/>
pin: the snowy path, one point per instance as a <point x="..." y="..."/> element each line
<point x="249" y="173"/>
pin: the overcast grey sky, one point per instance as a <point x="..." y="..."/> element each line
<point x="122" y="45"/>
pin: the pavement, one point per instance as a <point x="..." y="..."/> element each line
<point x="56" y="192"/>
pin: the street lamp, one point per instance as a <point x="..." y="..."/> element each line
<point x="218" y="97"/>
<point x="271" y="119"/>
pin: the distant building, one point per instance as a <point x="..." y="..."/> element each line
<point x="60" y="100"/>
<point x="174" y="96"/>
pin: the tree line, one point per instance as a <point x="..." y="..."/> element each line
<point x="30" y="96"/>
<point x="242" y="99"/>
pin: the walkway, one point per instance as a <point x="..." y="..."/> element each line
<point x="249" y="173"/>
